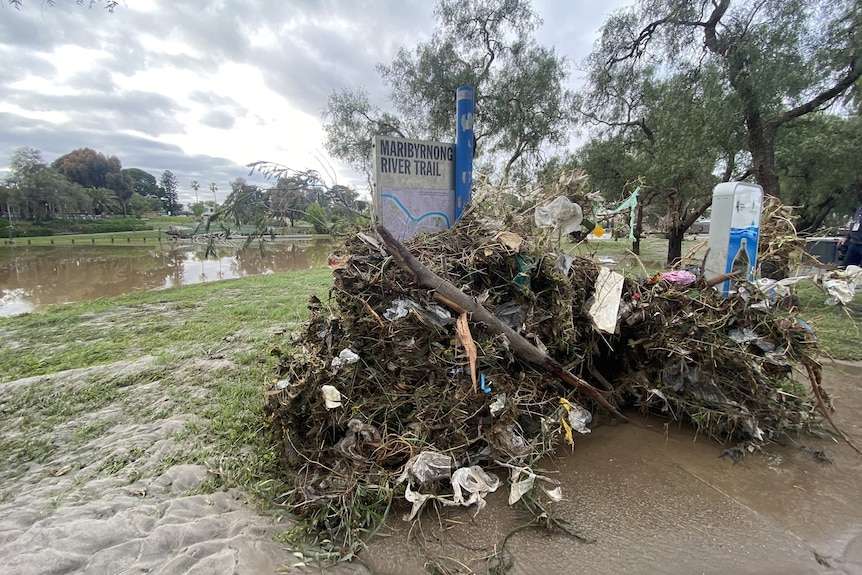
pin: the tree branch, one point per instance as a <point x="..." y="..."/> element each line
<point x="456" y="299"/>
<point x="853" y="73"/>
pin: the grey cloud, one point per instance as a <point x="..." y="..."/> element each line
<point x="146" y="112"/>
<point x="215" y="100"/>
<point x="17" y="64"/>
<point x="220" y="119"/>
<point x="98" y="81"/>
<point x="212" y="99"/>
<point x="215" y="28"/>
<point x="220" y="111"/>
<point x="332" y="59"/>
<point x="41" y="27"/>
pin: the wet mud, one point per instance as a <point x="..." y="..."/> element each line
<point x="647" y="497"/>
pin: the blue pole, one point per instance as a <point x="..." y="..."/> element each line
<point x="463" y="149"/>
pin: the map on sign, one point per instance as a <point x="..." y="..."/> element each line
<point x="408" y="212"/>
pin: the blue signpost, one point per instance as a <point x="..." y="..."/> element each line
<point x="463" y="149"/>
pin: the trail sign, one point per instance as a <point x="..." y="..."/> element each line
<point x="414" y="185"/>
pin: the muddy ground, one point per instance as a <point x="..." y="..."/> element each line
<point x="652" y="499"/>
<point x="646" y="497"/>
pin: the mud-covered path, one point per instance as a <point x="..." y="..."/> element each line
<point x="655" y="501"/>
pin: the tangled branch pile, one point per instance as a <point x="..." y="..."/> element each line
<point x="779" y="248"/>
<point x="383" y="372"/>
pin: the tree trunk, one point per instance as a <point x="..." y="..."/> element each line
<point x="674" y="245"/>
<point x="823" y="210"/>
<point x="761" y="144"/>
<point x="638" y="231"/>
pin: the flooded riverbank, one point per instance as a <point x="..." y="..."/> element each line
<point x="33" y="277"/>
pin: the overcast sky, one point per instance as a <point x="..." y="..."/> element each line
<point x="204" y="87"/>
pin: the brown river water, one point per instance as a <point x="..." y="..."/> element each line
<point x="34" y="277"/>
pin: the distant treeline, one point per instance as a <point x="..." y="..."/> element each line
<point x="25" y="229"/>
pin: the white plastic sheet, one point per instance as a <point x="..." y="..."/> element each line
<point x="470" y="485"/>
<point x="476" y="482"/>
<point x="346" y="357"/>
<point x="427" y="466"/>
<point x="604" y="306"/>
<point x="561" y="214"/>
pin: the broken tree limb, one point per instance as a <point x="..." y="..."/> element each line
<point x="722" y="278"/>
<point x="451" y="296"/>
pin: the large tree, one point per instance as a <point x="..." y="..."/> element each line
<point x="520" y="98"/>
<point x="143" y="183"/>
<point x="36" y="190"/>
<point x="91" y="169"/>
<point x="246" y="202"/>
<point x="168" y="186"/>
<point x="781" y="59"/>
<point x="289" y="198"/>
<point x="671" y="135"/>
<point x="819" y="162"/>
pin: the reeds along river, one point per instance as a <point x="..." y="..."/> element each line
<point x="35" y="277"/>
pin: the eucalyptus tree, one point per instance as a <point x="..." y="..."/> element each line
<point x="819" y="163"/>
<point x="288" y="199"/>
<point x="350" y="122"/>
<point x="246" y="202"/>
<point x="781" y="59"/>
<point x="671" y="135"/>
<point x="520" y="95"/>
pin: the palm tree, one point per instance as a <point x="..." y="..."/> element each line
<point x="196" y="186"/>
<point x="104" y="200"/>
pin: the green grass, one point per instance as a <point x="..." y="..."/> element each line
<point x="179" y="322"/>
<point x="145" y="237"/>
<point x="153" y="236"/>
<point x="209" y="345"/>
<point x="838" y="328"/>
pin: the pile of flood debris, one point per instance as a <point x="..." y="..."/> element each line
<point x="460" y="353"/>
